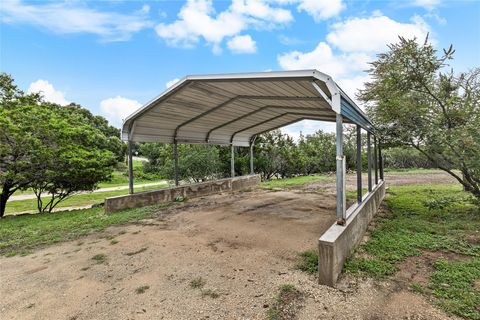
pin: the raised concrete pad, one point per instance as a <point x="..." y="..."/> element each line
<point x="336" y="244"/>
<point x="147" y="198"/>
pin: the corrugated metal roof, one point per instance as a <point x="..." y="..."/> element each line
<point x="233" y="108"/>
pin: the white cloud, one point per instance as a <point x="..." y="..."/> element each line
<point x="261" y="10"/>
<point x="321" y="9"/>
<point x="73" y="17"/>
<point x="345" y="54"/>
<point x="242" y="44"/>
<point x="374" y="33"/>
<point x="427" y="4"/>
<point x="307" y="127"/>
<point x="48" y="92"/>
<point x="323" y="59"/>
<point x="118" y="108"/>
<point x="198" y="20"/>
<point x="352" y="44"/>
<point x="171" y="82"/>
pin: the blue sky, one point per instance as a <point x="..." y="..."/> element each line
<point x="113" y="56"/>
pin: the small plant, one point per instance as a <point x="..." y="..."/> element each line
<point x="180" y="199"/>
<point x="84" y="268"/>
<point x="197" y="283"/>
<point x="99" y="258"/>
<point x="440" y="203"/>
<point x="114" y="241"/>
<point x="136" y="252"/>
<point x="287" y="303"/>
<point x="142" y="289"/>
<point x="416" y="287"/>
<point x="308" y="261"/>
<point x="210" y="293"/>
<point x="11" y="253"/>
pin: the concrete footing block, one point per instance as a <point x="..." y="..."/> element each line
<point x="338" y="242"/>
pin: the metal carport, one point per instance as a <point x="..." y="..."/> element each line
<point x="232" y="109"/>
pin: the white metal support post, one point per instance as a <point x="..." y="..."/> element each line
<point x="232" y="161"/>
<point x="130" y="167"/>
<point x="251" y="157"/>
<point x="369" y="159"/>
<point x="175" y="162"/>
<point x="340" y="174"/>
<point x="359" y="164"/>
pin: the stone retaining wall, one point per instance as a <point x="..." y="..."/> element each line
<point x="147" y="198"/>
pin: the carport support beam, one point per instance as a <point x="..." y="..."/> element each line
<point x="175" y="161"/>
<point x="369" y="159"/>
<point x="232" y="160"/>
<point x="359" y="164"/>
<point x="375" y="162"/>
<point x="251" y="157"/>
<point x="340" y="171"/>
<point x="130" y="167"/>
<point x="380" y="159"/>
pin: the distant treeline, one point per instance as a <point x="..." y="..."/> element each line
<point x="275" y="155"/>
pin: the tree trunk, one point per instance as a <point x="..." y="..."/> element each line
<point x="3" y="199"/>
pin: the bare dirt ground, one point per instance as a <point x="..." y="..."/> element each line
<point x="242" y="246"/>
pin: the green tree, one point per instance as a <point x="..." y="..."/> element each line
<point x="114" y="144"/>
<point x="414" y="103"/>
<point x="19" y="144"/>
<point x="196" y="163"/>
<point x="48" y="148"/>
<point x="75" y="156"/>
<point x="319" y="152"/>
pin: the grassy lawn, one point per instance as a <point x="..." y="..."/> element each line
<point x="73" y="201"/>
<point x="22" y="234"/>
<point x="294" y="182"/>
<point x="119" y="178"/>
<point x="411" y="171"/>
<point x="420" y="221"/>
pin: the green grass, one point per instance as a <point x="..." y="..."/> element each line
<point x="452" y="282"/>
<point x="120" y="177"/>
<point x="73" y="201"/>
<point x="99" y="258"/>
<point x="308" y="261"/>
<point x="411" y="171"/>
<point x="141" y="289"/>
<point x="293" y="182"/>
<point x="410" y="226"/>
<point x="22" y="234"/>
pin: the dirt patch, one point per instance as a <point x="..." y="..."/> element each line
<point x="476" y="284"/>
<point x="417" y="269"/>
<point x="244" y="245"/>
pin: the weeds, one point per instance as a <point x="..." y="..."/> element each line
<point x="99" y="258"/>
<point x="197" y="283"/>
<point x="308" y="261"/>
<point x="141" y="289"/>
<point x="287" y="303"/>
<point x="210" y="293"/>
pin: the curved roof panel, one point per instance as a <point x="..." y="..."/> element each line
<point x="234" y="108"/>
